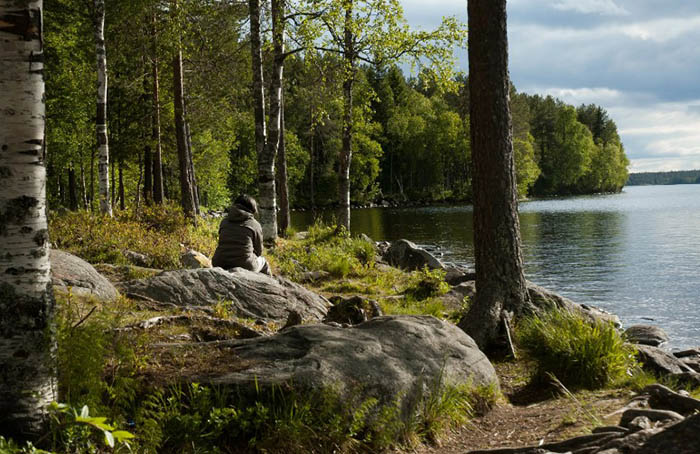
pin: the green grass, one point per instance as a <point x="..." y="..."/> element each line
<point x="579" y="353"/>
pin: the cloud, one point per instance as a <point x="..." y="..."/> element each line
<point x="602" y="7"/>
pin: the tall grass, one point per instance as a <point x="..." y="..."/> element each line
<point x="580" y="353"/>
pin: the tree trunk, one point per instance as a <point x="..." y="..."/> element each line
<point x="72" y="189"/>
<point x="501" y="290"/>
<point x="346" y="152"/>
<point x="101" y="121"/>
<point x="192" y="174"/>
<point x="83" y="186"/>
<point x="147" y="153"/>
<point x="282" y="184"/>
<point x="186" y="190"/>
<point x="113" y="186"/>
<point x="27" y="344"/>
<point x="122" y="202"/>
<point x="312" y="168"/>
<point x="158" y="193"/>
<point x="266" y="149"/>
<point x="91" y="196"/>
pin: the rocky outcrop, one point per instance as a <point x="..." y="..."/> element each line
<point x="136" y="258"/>
<point x="353" y="310"/>
<point x="252" y="295"/>
<point x="455" y="298"/>
<point x="69" y="271"/>
<point x="660" y="361"/>
<point x="690" y="358"/>
<point x="646" y="335"/>
<point x="193" y="260"/>
<point x="390" y="357"/>
<point x="406" y="255"/>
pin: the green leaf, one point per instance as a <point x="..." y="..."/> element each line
<point x="121" y="435"/>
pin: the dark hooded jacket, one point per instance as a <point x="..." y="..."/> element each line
<point x="240" y="241"/>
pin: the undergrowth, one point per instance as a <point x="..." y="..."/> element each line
<point x="158" y="231"/>
<point x="578" y="352"/>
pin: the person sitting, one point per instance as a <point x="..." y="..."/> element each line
<point x="241" y="239"/>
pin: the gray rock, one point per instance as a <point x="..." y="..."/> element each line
<point x="603" y="429"/>
<point x="313" y="276"/>
<point x="455" y="275"/>
<point x="687" y="353"/>
<point x="69" y="271"/>
<point x="545" y="300"/>
<point x="390" y="357"/>
<point x="688" y="379"/>
<point x="681" y="438"/>
<point x="659" y="361"/>
<point x="654" y="415"/>
<point x="406" y="255"/>
<point x="454" y="299"/>
<point x="662" y="398"/>
<point x="136" y="258"/>
<point x="253" y="295"/>
<point x="690" y="358"/>
<point x="646" y="335"/>
<point x="193" y="260"/>
<point x="353" y="310"/>
<point x="639" y="423"/>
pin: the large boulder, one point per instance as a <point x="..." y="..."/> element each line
<point x="646" y="335"/>
<point x="252" y="295"/>
<point x="69" y="271"/>
<point x="193" y="259"/>
<point x="388" y="357"/>
<point x="406" y="255"/>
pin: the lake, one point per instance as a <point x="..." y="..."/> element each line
<point x="636" y="254"/>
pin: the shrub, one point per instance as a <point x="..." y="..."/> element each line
<point x="580" y="353"/>
<point x="427" y="283"/>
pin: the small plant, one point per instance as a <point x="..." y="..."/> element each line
<point x="427" y="283"/>
<point x="580" y="353"/>
<point x="75" y="431"/>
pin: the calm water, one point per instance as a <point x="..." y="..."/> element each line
<point x="636" y="254"/>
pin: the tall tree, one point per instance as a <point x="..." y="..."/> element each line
<point x="266" y="147"/>
<point x="101" y="119"/>
<point x="501" y="290"/>
<point x="184" y="160"/>
<point x="27" y="373"/>
<point x="158" y="192"/>
<point x="376" y="32"/>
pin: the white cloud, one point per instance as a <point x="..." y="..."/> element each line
<point x="602" y="7"/>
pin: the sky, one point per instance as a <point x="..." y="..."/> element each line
<point x="638" y="59"/>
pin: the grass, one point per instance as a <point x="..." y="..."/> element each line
<point x="579" y="353"/>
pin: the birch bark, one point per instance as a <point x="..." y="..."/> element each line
<point x="346" y="150"/>
<point x="267" y="201"/>
<point x="101" y="119"/>
<point x="27" y="346"/>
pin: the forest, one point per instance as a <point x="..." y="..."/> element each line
<point x="185" y="97"/>
<point x="674" y="177"/>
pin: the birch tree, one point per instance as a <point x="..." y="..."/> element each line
<point x="27" y="378"/>
<point x="501" y="290"/>
<point x="266" y="149"/>
<point x="101" y="118"/>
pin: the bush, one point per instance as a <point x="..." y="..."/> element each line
<point x="580" y="353"/>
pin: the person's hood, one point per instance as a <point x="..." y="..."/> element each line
<point x="236" y="214"/>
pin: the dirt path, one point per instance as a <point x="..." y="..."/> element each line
<point x="531" y="416"/>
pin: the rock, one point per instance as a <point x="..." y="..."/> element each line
<point x="639" y="423"/>
<point x="688" y="379"/>
<point x="253" y="295"/>
<point x="681" y="438"/>
<point x="406" y="255"/>
<point x="686" y="353"/>
<point x="293" y="319"/>
<point x="653" y="415"/>
<point x="454" y="299"/>
<point x="659" y="361"/>
<point x="455" y="275"/>
<point x="662" y="398"/>
<point x="383" y="247"/>
<point x="603" y="429"/>
<point x="314" y="276"/>
<point x="369" y="240"/>
<point x="353" y="310"/>
<point x="646" y="335"/>
<point x="690" y="358"/>
<point x="69" y="271"/>
<point x="193" y="260"/>
<point x="546" y="300"/>
<point x="136" y="258"/>
<point x="389" y="358"/>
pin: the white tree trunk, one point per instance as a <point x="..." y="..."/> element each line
<point x="101" y="120"/>
<point x="27" y="374"/>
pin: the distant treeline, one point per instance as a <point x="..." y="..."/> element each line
<point x="674" y="177"/>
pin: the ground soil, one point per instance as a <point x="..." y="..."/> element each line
<point x="531" y="414"/>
